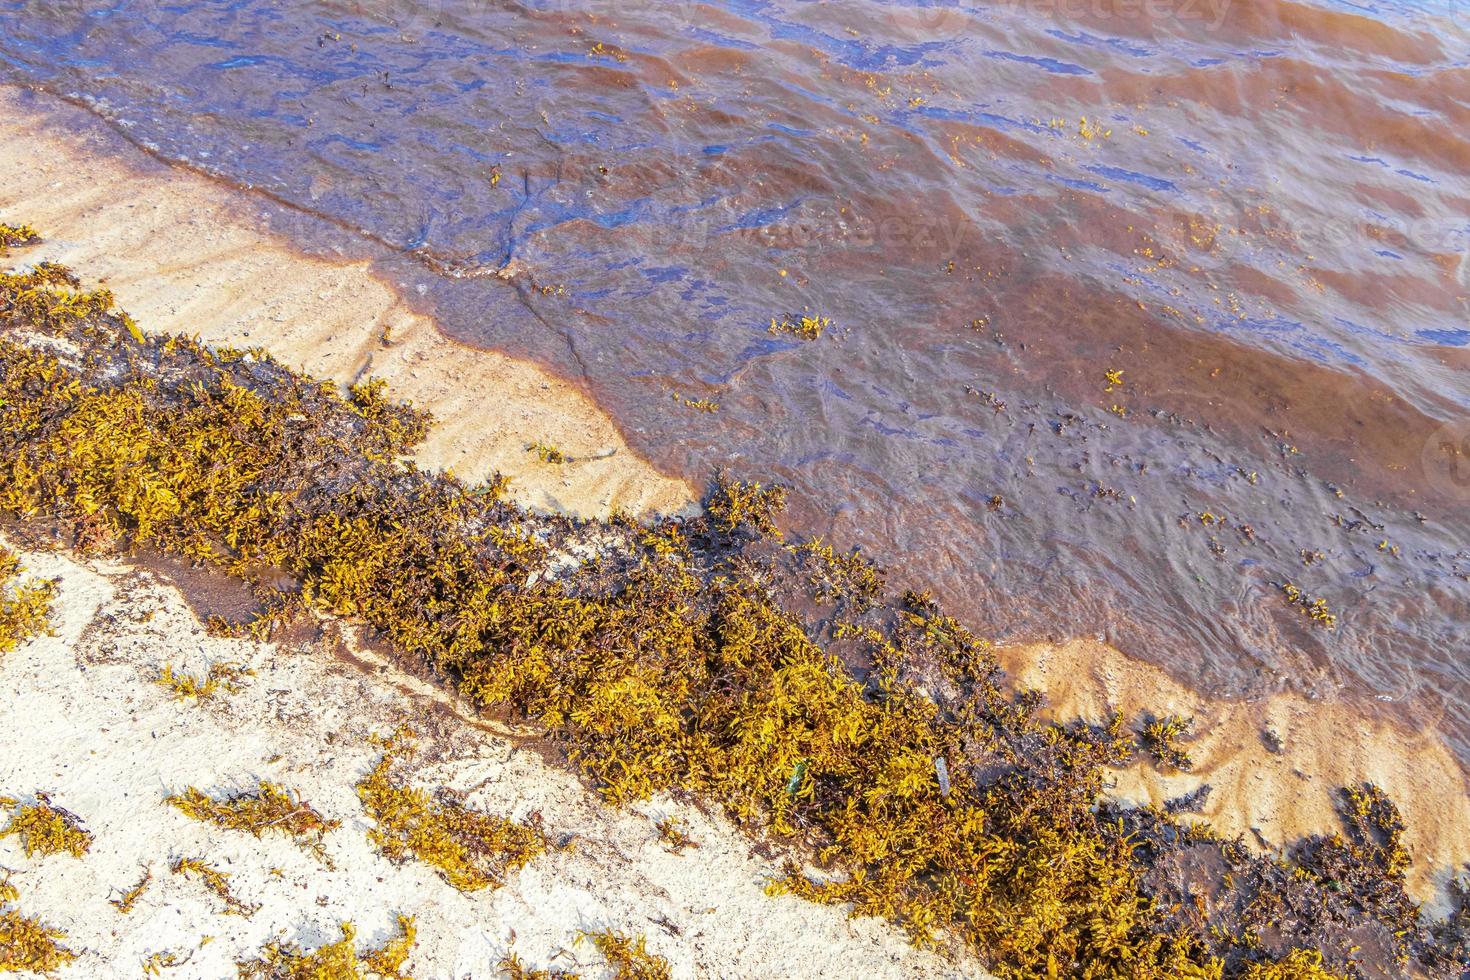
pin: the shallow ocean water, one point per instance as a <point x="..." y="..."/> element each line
<point x="1140" y="309"/>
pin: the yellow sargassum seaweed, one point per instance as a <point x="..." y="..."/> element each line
<point x="928" y="792"/>
<point x="334" y="961"/>
<point x="628" y="956"/>
<point x="30" y="946"/>
<point x="269" y="808"/>
<point x="46" y="829"/>
<point x="25" y="609"/>
<point x="471" y="849"/>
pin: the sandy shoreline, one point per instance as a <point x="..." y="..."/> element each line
<point x="182" y="255"/>
<point x="1268" y="798"/>
<point x="186" y="255"/>
<point x="94" y="730"/>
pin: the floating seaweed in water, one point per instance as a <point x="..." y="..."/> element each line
<point x="698" y="404"/>
<point x="681" y="659"/>
<point x="805" y="326"/>
<point x="1314" y="607"/>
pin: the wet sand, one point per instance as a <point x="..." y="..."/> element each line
<point x="1274" y="766"/>
<point x="186" y="255"/>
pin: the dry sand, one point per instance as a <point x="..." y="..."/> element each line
<point x="187" y="255"/>
<point x="87" y="724"/>
<point x="1267" y="797"/>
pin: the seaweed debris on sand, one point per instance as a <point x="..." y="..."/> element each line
<point x="102" y="739"/>
<point x="188" y="255"/>
<point x="691" y="656"/>
<point x="1262" y="771"/>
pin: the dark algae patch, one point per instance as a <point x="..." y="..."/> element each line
<point x="714" y="657"/>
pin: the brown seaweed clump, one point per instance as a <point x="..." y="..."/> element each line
<point x="27" y="945"/>
<point x="471" y="849"/>
<point x="25" y="609"/>
<point x="698" y="657"/>
<point x="547" y="453"/>
<point x="1161" y="738"/>
<point x="46" y="829"/>
<point x="513" y="969"/>
<point x="127" y="900"/>
<point x="216" y="881"/>
<point x="267" y="808"/>
<point x="675" y="835"/>
<point x="219" y="677"/>
<point x="334" y="961"/>
<point x="848" y="579"/>
<point x="628" y="955"/>
<point x="15" y="236"/>
<point x="733" y="506"/>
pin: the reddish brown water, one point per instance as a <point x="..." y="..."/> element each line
<point x="1257" y="212"/>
